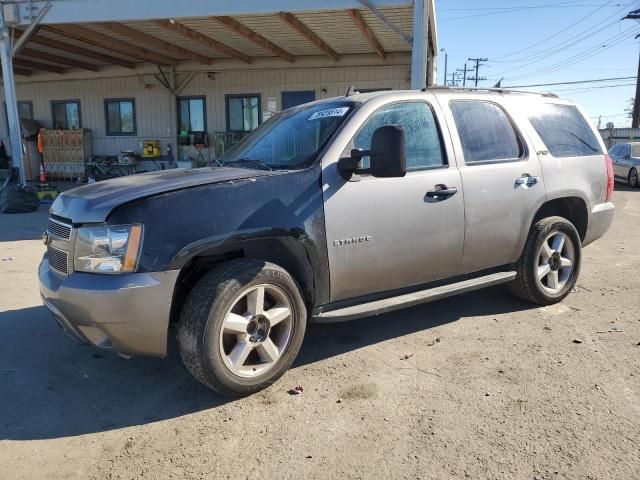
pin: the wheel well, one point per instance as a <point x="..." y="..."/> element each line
<point x="573" y="209"/>
<point x="284" y="252"/>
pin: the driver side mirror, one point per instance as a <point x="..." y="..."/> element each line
<point x="387" y="155"/>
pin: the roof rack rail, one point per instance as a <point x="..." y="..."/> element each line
<point x="489" y="89"/>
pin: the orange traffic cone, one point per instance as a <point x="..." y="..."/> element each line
<point x="43" y="176"/>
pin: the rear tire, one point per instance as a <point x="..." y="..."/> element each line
<point x="633" y="178"/>
<point x="242" y="326"/>
<point x="550" y="264"/>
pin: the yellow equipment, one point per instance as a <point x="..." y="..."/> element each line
<point x="151" y="148"/>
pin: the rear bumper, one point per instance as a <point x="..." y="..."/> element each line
<point x="599" y="221"/>
<point x="128" y="312"/>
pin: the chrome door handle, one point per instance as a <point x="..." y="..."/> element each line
<point x="527" y="180"/>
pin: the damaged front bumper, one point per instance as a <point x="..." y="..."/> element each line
<point x="128" y="312"/>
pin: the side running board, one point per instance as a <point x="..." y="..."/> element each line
<point x="379" y="307"/>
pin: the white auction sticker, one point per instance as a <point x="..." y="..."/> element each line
<point x="332" y="112"/>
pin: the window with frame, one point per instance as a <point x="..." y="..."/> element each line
<point x="423" y="143"/>
<point x="564" y="131"/>
<point x="486" y="133"/>
<point x="243" y="112"/>
<point x="192" y="115"/>
<point x="120" y="116"/>
<point x="25" y="112"/>
<point x="66" y="114"/>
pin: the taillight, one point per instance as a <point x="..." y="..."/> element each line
<point x="609" y="163"/>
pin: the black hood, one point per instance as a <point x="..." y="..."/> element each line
<point x="93" y="202"/>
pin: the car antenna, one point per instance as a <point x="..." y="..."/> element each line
<point x="351" y="91"/>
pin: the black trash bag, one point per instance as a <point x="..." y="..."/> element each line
<point x="16" y="198"/>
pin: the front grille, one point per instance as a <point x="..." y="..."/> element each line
<point x="59" y="229"/>
<point x="58" y="260"/>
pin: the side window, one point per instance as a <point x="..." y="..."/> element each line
<point x="564" y="131"/>
<point x="615" y="151"/>
<point x="422" y="139"/>
<point x="192" y="115"/>
<point x="66" y="114"/>
<point x="485" y="131"/>
<point x="626" y="151"/>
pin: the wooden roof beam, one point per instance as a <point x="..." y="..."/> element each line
<point x="255" y="37"/>
<point x="366" y="31"/>
<point x="21" y="71"/>
<point x="86" y="35"/>
<point x="37" y="66"/>
<point x="306" y="32"/>
<point x="49" y="57"/>
<point x="156" y="42"/>
<point x="203" y="39"/>
<point x="81" y="51"/>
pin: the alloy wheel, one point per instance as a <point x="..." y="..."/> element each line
<point x="256" y="330"/>
<point x="556" y="260"/>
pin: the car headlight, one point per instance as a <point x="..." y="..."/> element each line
<point x="108" y="249"/>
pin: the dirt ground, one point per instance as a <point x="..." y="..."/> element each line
<point x="475" y="386"/>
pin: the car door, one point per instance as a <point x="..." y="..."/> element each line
<point x="623" y="165"/>
<point x="616" y="157"/>
<point x="384" y="234"/>
<point x="502" y="182"/>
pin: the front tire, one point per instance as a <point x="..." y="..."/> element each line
<point x="242" y="326"/>
<point x="550" y="264"/>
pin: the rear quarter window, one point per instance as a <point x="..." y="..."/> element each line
<point x="564" y="131"/>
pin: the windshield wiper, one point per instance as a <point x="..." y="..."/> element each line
<point x="258" y="163"/>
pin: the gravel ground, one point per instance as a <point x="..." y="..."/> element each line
<point x="476" y="386"/>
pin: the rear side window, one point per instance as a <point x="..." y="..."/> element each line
<point x="486" y="133"/>
<point x="564" y="131"/>
<point x="635" y="150"/>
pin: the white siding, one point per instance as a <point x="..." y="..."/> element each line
<point x="156" y="108"/>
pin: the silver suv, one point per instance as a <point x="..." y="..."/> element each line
<point x="335" y="210"/>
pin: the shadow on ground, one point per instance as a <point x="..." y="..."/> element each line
<point x="23" y="226"/>
<point x="53" y="387"/>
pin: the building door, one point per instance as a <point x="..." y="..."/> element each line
<point x="293" y="99"/>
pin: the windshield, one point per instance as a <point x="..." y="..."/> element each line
<point x="289" y="140"/>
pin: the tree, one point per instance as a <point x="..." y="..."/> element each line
<point x="629" y="109"/>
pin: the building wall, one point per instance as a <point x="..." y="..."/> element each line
<point x="156" y="107"/>
<point x="614" y="136"/>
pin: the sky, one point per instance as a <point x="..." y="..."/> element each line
<point x="531" y="42"/>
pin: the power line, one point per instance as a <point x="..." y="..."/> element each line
<point x="546" y="39"/>
<point x="611" y="42"/>
<point x="600" y="87"/>
<point x="562" y="46"/>
<point x="530" y="7"/>
<point x="573" y="82"/>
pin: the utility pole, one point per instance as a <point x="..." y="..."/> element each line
<point x="445" y="64"/>
<point x="635" y="116"/>
<point x="478" y="64"/>
<point x="464" y="75"/>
